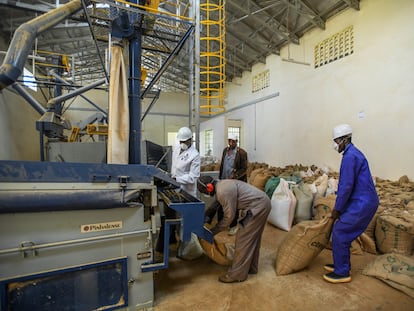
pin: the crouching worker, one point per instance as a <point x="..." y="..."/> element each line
<point x="254" y="207"/>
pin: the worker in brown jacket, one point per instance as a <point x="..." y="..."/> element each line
<point x="253" y="206"/>
<point x="233" y="161"/>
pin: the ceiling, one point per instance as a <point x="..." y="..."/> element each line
<point x="254" y="29"/>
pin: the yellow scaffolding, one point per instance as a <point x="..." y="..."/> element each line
<point x="212" y="58"/>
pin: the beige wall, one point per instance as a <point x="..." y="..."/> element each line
<point x="18" y="135"/>
<point x="19" y="138"/>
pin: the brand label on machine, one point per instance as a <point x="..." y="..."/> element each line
<point x="101" y="226"/>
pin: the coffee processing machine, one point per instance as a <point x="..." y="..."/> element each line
<point x="80" y="236"/>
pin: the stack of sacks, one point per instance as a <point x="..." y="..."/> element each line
<point x="394" y="222"/>
<point x="302" y="200"/>
<point x="394" y="232"/>
<point x="259" y="177"/>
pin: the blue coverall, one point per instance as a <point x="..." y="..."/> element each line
<point x="356" y="201"/>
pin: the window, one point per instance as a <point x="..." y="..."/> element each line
<point x="29" y="80"/>
<point x="172" y="138"/>
<point x="208" y="142"/>
<point x="335" y="47"/>
<point x="261" y="81"/>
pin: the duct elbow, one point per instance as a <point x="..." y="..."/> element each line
<point x="23" y="38"/>
<point x="17" y="54"/>
<point x="8" y="75"/>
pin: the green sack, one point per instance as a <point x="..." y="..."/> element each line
<point x="271" y="185"/>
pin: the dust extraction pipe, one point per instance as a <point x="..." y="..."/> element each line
<point x="22" y="42"/>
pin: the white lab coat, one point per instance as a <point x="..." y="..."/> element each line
<point x="185" y="168"/>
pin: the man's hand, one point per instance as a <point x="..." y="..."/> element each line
<point x="335" y="214"/>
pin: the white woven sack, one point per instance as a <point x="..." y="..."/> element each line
<point x="283" y="206"/>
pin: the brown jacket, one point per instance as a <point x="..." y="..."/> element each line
<point x="240" y="164"/>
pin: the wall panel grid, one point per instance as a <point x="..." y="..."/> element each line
<point x="261" y="81"/>
<point x="335" y="47"/>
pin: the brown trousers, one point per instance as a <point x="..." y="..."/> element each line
<point x="248" y="241"/>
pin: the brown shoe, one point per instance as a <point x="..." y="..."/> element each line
<point x="227" y="279"/>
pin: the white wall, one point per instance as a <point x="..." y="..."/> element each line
<point x="19" y="138"/>
<point x="372" y="90"/>
<point x="168" y="113"/>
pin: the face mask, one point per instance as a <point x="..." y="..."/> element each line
<point x="183" y="146"/>
<point x="336" y="146"/>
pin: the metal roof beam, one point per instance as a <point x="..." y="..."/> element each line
<point x="353" y="4"/>
<point x="280" y="29"/>
<point x="311" y="15"/>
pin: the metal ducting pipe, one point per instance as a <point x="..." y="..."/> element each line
<point x="74" y="93"/>
<point x="56" y="76"/>
<point x="22" y="42"/>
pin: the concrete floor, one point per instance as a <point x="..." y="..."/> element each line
<point x="194" y="285"/>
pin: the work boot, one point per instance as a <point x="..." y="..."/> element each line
<point x="228" y="279"/>
<point x="335" y="278"/>
<point x="331" y="268"/>
<point x="252" y="271"/>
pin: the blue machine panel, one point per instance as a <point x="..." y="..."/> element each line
<point x="95" y="286"/>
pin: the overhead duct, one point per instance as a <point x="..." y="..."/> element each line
<point x="24" y="36"/>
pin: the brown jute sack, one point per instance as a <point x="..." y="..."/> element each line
<point x="260" y="180"/>
<point x="394" y="234"/>
<point x="220" y="251"/>
<point x="302" y="244"/>
<point x="367" y="243"/>
<point x="394" y="269"/>
<point x="253" y="174"/>
<point x="370" y="231"/>
<point x="323" y="206"/>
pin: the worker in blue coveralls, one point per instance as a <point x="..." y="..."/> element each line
<point x="355" y="205"/>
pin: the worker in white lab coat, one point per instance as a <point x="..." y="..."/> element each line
<point x="185" y="167"/>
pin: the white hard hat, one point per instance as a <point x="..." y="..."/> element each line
<point x="232" y="137"/>
<point x="184" y="134"/>
<point x="341" y="130"/>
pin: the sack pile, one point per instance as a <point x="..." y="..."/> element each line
<point x="302" y="199"/>
<point x="310" y="195"/>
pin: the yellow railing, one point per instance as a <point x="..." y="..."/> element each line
<point x="212" y="57"/>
